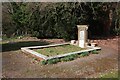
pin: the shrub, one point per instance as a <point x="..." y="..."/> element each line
<point x="57" y="60"/>
<point x="75" y="55"/>
<point x="35" y="34"/>
<point x="117" y="31"/>
<point x="71" y="58"/>
<point x="44" y="62"/>
<point x="68" y="58"/>
<point x="52" y="61"/>
<point x="84" y="54"/>
<point x="65" y="59"/>
<point x="49" y="61"/>
<point x="94" y="52"/>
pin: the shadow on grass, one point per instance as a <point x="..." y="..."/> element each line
<point x="17" y="45"/>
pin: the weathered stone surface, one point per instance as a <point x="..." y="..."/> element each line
<point x="82" y="35"/>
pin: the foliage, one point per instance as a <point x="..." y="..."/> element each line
<point x="68" y="58"/>
<point x="74" y="55"/>
<point x="43" y="62"/>
<point x="95" y="52"/>
<point x="84" y="54"/>
<point x="117" y="31"/>
<point x="58" y="20"/>
<point x="20" y="17"/>
<point x="64" y="59"/>
<point x="52" y="61"/>
<point x="18" y="20"/>
<point x="57" y="59"/>
<point x="116" y="18"/>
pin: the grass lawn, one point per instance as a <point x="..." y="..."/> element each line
<point x="53" y="51"/>
<point x="113" y="74"/>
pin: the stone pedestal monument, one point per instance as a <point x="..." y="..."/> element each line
<point x="82" y="35"/>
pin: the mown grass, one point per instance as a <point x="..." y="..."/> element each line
<point x="112" y="74"/>
<point x="52" y="51"/>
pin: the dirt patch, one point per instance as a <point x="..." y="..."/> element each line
<point x="17" y="64"/>
<point x="111" y="42"/>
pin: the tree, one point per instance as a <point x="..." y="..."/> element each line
<point x="116" y="18"/>
<point x="20" y="17"/>
<point x="59" y="20"/>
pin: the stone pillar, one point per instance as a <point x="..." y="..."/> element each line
<point x="82" y="35"/>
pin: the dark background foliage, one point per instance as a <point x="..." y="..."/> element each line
<point x="60" y="20"/>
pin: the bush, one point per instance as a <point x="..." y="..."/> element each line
<point x="65" y="59"/>
<point x="75" y="55"/>
<point x="68" y="58"/>
<point x="35" y="34"/>
<point x="52" y="61"/>
<point x="49" y="62"/>
<point x="117" y="31"/>
<point x="84" y="54"/>
<point x="43" y="62"/>
<point x="94" y="52"/>
<point x="57" y="60"/>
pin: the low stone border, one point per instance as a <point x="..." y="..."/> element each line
<point x="28" y="50"/>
